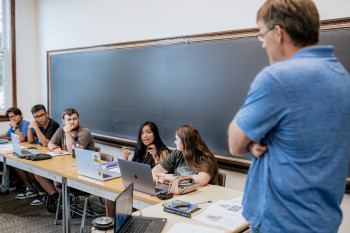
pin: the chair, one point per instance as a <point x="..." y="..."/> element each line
<point x="221" y="179"/>
<point x="85" y="209"/>
<point x="97" y="149"/>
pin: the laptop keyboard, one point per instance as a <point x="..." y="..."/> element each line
<point x="106" y="176"/>
<point x="137" y="225"/>
<point x="25" y="152"/>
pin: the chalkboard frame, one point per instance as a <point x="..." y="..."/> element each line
<point x="236" y="164"/>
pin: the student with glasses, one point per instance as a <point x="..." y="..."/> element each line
<point x="17" y="124"/>
<point x="42" y="128"/>
<point x="40" y="132"/>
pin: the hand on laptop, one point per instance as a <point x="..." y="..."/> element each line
<point x="162" y="177"/>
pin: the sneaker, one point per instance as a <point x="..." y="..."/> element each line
<point x="27" y="193"/>
<point x="52" y="202"/>
<point x="40" y="200"/>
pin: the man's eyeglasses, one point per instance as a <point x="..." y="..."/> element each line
<point x="40" y="116"/>
<point x="262" y="34"/>
<point x="13" y="117"/>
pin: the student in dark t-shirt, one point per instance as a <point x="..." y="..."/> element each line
<point x="40" y="131"/>
<point x="43" y="128"/>
<point x="192" y="158"/>
<point x="149" y="149"/>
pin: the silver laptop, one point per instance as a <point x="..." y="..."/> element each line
<point x="125" y="222"/>
<point x="89" y="164"/>
<point x="17" y="148"/>
<point x="141" y="175"/>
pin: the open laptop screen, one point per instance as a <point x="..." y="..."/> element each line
<point x="16" y="143"/>
<point x="123" y="207"/>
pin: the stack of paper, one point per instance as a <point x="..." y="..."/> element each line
<point x="223" y="213"/>
<point x="190" y="228"/>
<point x="6" y="148"/>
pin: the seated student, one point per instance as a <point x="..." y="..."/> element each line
<point x="20" y="127"/>
<point x="150" y="149"/>
<point x="192" y="158"/>
<point x="40" y="132"/>
<point x="17" y="124"/>
<point x="62" y="140"/>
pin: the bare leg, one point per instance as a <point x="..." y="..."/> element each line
<point x="46" y="184"/>
<point x="110" y="208"/>
<point x="37" y="184"/>
<point x="25" y="177"/>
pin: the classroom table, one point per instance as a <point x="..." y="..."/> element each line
<point x="209" y="193"/>
<point x="54" y="169"/>
<point x="62" y="169"/>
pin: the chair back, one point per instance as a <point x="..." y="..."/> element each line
<point x="221" y="179"/>
<point x="106" y="157"/>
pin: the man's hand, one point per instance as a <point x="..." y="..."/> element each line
<point x="33" y="125"/>
<point x="67" y="128"/>
<point x="58" y="151"/>
<point x="13" y="123"/>
<point x="257" y="149"/>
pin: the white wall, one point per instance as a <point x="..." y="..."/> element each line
<point x="44" y="25"/>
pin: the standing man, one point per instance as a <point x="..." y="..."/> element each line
<point x="61" y="141"/>
<point x="17" y="124"/>
<point x="296" y="123"/>
<point x="40" y="131"/>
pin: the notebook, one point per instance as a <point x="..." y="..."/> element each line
<point x="125" y="222"/>
<point x="141" y="175"/>
<point x="17" y="148"/>
<point x="3" y="141"/>
<point x="89" y="164"/>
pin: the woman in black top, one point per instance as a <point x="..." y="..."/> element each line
<point x="150" y="148"/>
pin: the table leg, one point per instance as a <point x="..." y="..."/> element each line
<point x="5" y="178"/>
<point x="66" y="206"/>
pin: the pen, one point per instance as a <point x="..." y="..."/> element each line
<point x="202" y="202"/>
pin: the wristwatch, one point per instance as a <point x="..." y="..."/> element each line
<point x="14" y="128"/>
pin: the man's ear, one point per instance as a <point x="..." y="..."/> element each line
<point x="280" y="33"/>
<point x="63" y="122"/>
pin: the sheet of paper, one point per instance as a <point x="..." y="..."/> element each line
<point x="190" y="228"/>
<point x="54" y="154"/>
<point x="7" y="148"/>
<point x="223" y="213"/>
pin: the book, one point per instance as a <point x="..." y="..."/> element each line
<point x="112" y="164"/>
<point x="185" y="211"/>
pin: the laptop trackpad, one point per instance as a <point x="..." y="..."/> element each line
<point x="156" y="225"/>
<point x="162" y="187"/>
